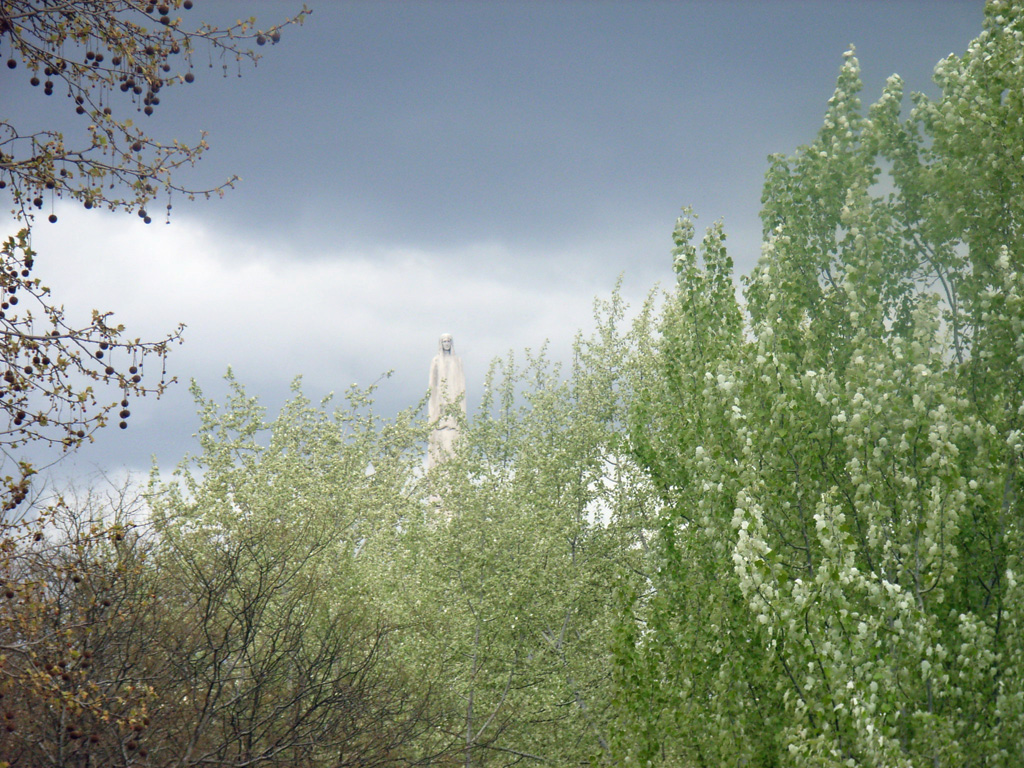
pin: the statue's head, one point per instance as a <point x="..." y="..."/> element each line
<point x="445" y="345"/>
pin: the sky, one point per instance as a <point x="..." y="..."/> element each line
<point x="485" y="169"/>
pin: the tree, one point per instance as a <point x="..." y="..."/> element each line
<point x="838" y="556"/>
<point x="77" y="660"/>
<point x="506" y="576"/>
<point x="108" y="57"/>
<point x="93" y="51"/>
<point x="689" y="678"/>
<point x="279" y="655"/>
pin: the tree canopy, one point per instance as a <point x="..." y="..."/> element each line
<point x="838" y="579"/>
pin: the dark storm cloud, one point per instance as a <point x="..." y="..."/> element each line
<point x="482" y="168"/>
<point x="446" y="123"/>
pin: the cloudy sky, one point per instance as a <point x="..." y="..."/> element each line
<point x="479" y="168"/>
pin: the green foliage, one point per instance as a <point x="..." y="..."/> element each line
<point x="511" y="570"/>
<point x="493" y="573"/>
<point x="341" y="473"/>
<point x="838" y="556"/>
<point x="267" y="529"/>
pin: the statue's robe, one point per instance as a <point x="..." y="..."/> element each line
<point x="447" y="385"/>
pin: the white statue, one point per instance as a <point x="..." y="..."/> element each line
<point x="447" y="386"/>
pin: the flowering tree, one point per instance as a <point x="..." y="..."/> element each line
<point x="839" y="570"/>
<point x="506" y="576"/>
<point x="280" y="655"/>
